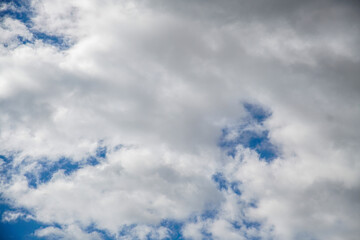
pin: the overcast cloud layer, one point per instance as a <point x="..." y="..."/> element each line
<point x="230" y="119"/>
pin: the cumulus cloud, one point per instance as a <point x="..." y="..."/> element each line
<point x="159" y="85"/>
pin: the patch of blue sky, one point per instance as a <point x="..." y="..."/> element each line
<point x="22" y="11"/>
<point x="246" y="223"/>
<point x="235" y="188"/>
<point x="101" y="151"/>
<point x="210" y="213"/>
<point x="17" y="9"/>
<point x="236" y="225"/>
<point x="174" y="227"/>
<point x="45" y="168"/>
<point x="24" y="228"/>
<point x="224" y="184"/>
<point x="251" y="224"/>
<point x="253" y="204"/>
<point x="54" y="40"/>
<point x="105" y="235"/>
<point x="48" y="168"/>
<point x="19" y="229"/>
<point x="257" y="140"/>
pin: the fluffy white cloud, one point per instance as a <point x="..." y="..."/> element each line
<point x="69" y="232"/>
<point x="133" y="186"/>
<point x="163" y="78"/>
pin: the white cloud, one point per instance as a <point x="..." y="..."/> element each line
<point x="10" y="216"/>
<point x="163" y="79"/>
<point x="134" y="186"/>
<point x="10" y="32"/>
<point x="69" y="232"/>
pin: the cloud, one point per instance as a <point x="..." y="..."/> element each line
<point x="175" y="92"/>
<point x="70" y="232"/>
<point x="10" y="216"/>
<point x="134" y="186"/>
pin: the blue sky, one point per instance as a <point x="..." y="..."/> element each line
<point x="179" y="120"/>
<point x="23" y="12"/>
<point x="251" y="138"/>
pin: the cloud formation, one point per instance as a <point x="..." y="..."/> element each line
<point x="166" y="113"/>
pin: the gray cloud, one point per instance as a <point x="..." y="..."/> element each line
<point x="164" y="78"/>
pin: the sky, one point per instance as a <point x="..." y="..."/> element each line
<point x="160" y="119"/>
